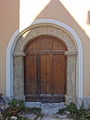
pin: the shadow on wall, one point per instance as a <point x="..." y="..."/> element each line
<point x="88" y="18"/>
<point x="56" y="10"/>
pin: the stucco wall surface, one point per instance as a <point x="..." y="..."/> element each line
<point x="73" y="13"/>
<point x="9" y="22"/>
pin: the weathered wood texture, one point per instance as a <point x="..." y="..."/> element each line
<point x="45" y="70"/>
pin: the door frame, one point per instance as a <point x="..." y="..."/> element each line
<point x="71" y="54"/>
<point x="58" y="25"/>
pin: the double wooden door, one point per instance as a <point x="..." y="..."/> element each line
<point x="45" y="70"/>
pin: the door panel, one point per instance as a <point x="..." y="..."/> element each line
<point x="30" y="74"/>
<point x="58" y="45"/>
<point x="46" y="43"/>
<point x="33" y="46"/>
<point x="46" y="74"/>
<point x="59" y="72"/>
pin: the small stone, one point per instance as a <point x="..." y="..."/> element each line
<point x="3" y="106"/>
<point x="30" y="116"/>
<point x="13" y="118"/>
<point x="67" y="112"/>
<point x="61" y="116"/>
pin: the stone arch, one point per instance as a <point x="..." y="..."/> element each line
<point x="18" y="54"/>
<point x="45" y="30"/>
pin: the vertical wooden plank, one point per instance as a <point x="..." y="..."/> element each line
<point x="59" y="74"/>
<point x="46" y="74"/>
<point x="30" y="75"/>
<point x="38" y="81"/>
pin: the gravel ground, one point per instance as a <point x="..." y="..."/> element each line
<point x="47" y="117"/>
<point x="49" y="111"/>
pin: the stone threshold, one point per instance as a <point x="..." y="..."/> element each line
<point x="47" y="108"/>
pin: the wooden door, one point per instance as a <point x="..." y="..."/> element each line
<point x="45" y="70"/>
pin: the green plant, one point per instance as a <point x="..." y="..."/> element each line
<point x="72" y="109"/>
<point x="13" y="103"/>
<point x="6" y="115"/>
<point x="61" y="111"/>
<point x="21" y="103"/>
<point x="35" y="110"/>
<point x="16" y="106"/>
<point x="75" y="113"/>
<point x="26" y="110"/>
<point x="17" y="103"/>
<point x="22" y="118"/>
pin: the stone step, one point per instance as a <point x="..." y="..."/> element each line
<point x="47" y="108"/>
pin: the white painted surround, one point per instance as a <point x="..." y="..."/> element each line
<point x="11" y="44"/>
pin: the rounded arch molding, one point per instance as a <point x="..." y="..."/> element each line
<point x="51" y="28"/>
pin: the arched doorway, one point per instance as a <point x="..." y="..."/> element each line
<point x="19" y="54"/>
<point x="45" y="70"/>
